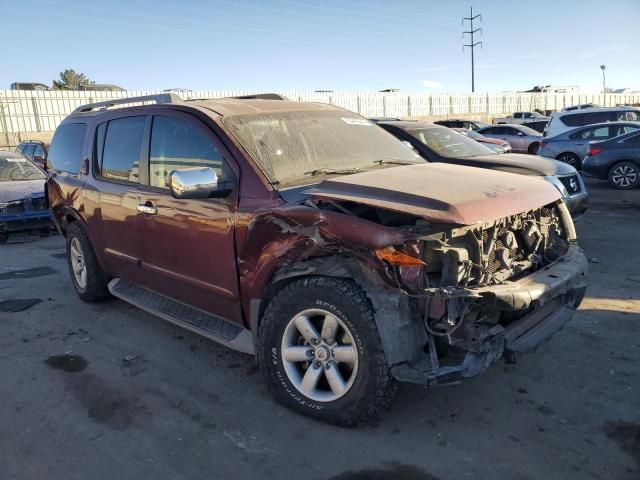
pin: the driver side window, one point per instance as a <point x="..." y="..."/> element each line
<point x="177" y="144"/>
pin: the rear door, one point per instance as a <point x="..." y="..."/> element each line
<point x="187" y="245"/>
<point x="112" y="198"/>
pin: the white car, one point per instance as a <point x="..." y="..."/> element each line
<point x="564" y="121"/>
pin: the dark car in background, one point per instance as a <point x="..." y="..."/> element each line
<point x="522" y="138"/>
<point x="571" y="147"/>
<point x="34" y="150"/>
<point x="22" y="196"/>
<point x="499" y="146"/>
<point x="466" y="124"/>
<point x="442" y="145"/>
<point x="616" y="159"/>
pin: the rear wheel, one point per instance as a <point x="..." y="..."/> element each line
<point x="624" y="175"/>
<point x="533" y="148"/>
<point x="571" y="159"/>
<point x="86" y="274"/>
<point x="320" y="351"/>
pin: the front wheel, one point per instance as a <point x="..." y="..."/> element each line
<point x="319" y="348"/>
<point x="624" y="175"/>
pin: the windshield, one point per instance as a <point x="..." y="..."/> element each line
<point x="289" y="147"/>
<point x="469" y="133"/>
<point x="528" y="131"/>
<point x="448" y="143"/>
<point x="15" y="169"/>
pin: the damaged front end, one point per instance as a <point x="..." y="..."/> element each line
<point x="488" y="290"/>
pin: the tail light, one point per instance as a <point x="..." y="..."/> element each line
<point x="593" y="151"/>
<point x="543" y="144"/>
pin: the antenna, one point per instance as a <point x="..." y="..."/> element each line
<point x="472" y="45"/>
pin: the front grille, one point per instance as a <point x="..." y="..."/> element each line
<point x="571" y="183"/>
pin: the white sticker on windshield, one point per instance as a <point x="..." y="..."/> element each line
<point x="357" y="121"/>
<point x="16" y="160"/>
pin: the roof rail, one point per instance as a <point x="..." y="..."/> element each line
<point x="262" y="96"/>
<point x="159" y="98"/>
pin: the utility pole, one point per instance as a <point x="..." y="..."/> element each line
<point x="472" y="44"/>
<point x="604" y="85"/>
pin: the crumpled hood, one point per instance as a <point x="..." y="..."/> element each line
<point x="440" y="192"/>
<point x="10" y="191"/>
<point x="522" y="164"/>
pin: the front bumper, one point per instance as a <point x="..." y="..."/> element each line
<point x="24" y="221"/>
<point x="551" y="296"/>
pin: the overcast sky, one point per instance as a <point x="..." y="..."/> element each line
<point x="330" y="44"/>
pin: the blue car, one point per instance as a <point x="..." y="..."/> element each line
<point x="22" y="202"/>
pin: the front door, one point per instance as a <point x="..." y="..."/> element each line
<point x="187" y="245"/>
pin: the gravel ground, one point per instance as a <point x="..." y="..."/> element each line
<point x="107" y="391"/>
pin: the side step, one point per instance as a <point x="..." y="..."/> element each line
<point x="215" y="328"/>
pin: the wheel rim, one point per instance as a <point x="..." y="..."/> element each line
<point x="319" y="355"/>
<point x="76" y="257"/>
<point x="569" y="159"/>
<point x="624" y="176"/>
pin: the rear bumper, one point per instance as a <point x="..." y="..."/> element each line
<point x="550" y="295"/>
<point x="595" y="167"/>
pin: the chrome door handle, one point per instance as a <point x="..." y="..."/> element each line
<point x="147" y="210"/>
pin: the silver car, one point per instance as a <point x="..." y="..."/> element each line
<point x="571" y="147"/>
<point x="521" y="138"/>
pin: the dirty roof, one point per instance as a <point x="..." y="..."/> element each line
<point x="232" y="106"/>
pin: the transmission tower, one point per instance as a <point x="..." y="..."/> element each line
<point x="472" y="44"/>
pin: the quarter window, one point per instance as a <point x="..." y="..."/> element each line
<point x="65" y="153"/>
<point x="176" y="144"/>
<point x="120" y="158"/>
<point x="28" y="151"/>
<point x="38" y="151"/>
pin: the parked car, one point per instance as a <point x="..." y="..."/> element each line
<point x="466" y="124"/>
<point x="616" y="159"/>
<point x="34" y="150"/>
<point x="564" y="121"/>
<point x="521" y="138"/>
<point x="571" y="147"/>
<point x="22" y="200"/>
<point x="29" y="86"/>
<point x="101" y="87"/>
<point x="538" y="125"/>
<point x="304" y="234"/>
<point x="519" y="118"/>
<point x="439" y="144"/>
<point x="582" y="106"/>
<point x="500" y="146"/>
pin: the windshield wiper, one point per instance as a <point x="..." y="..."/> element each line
<point x="393" y="161"/>
<point x="332" y="171"/>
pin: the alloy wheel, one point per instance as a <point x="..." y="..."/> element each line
<point x="624" y="176"/>
<point x="76" y="257"/>
<point x="319" y="355"/>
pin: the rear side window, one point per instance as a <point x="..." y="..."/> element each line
<point x="579" y="119"/>
<point x="630" y="116"/>
<point x="120" y="158"/>
<point x="177" y="144"/>
<point x="28" y="151"/>
<point x="65" y="153"/>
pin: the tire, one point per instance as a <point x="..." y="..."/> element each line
<point x="80" y="255"/>
<point x="624" y="175"/>
<point x="570" y="159"/>
<point x="533" y="148"/>
<point x="368" y="386"/>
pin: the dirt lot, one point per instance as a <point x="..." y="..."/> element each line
<point x="144" y="399"/>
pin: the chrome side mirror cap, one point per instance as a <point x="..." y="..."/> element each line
<point x="193" y="182"/>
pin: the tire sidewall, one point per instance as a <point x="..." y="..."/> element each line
<point x="73" y="233"/>
<point x="282" y="311"/>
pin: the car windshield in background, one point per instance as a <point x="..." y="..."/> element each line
<point x="449" y="143"/>
<point x="528" y="131"/>
<point x="470" y="133"/>
<point x="17" y="169"/>
<point x="291" y="146"/>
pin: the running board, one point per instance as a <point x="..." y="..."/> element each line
<point x="211" y="326"/>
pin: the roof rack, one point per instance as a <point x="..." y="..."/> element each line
<point x="159" y="98"/>
<point x="262" y="96"/>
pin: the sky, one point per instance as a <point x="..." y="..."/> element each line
<point x="340" y="45"/>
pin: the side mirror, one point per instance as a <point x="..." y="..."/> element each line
<point x="520" y="134"/>
<point x="196" y="182"/>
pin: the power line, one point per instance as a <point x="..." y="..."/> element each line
<point x="472" y="45"/>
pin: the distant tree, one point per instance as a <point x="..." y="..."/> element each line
<point x="71" y="80"/>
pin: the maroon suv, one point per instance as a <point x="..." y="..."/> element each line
<point x="310" y="237"/>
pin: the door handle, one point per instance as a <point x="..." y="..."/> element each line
<point x="147" y="209"/>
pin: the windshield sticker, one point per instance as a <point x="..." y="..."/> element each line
<point x="357" y="121"/>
